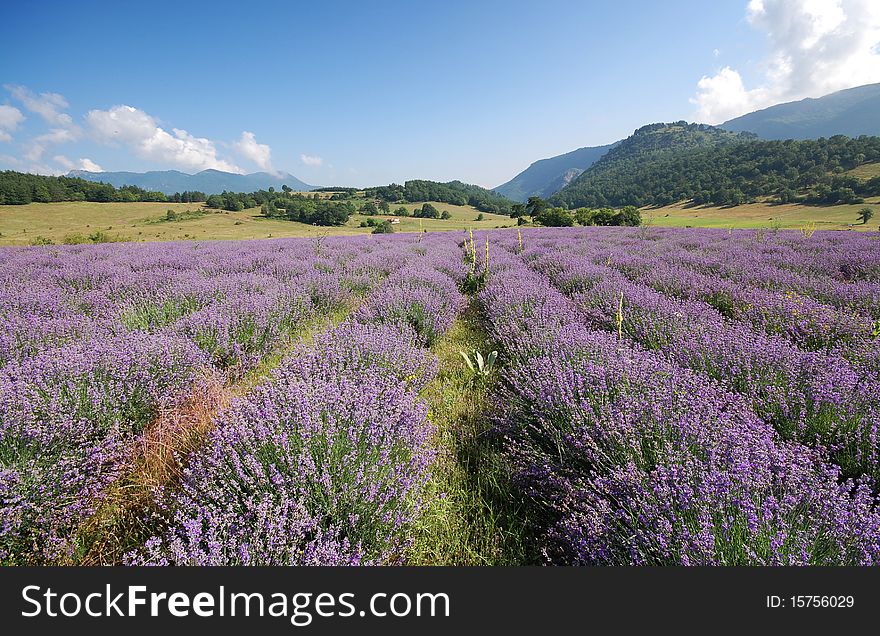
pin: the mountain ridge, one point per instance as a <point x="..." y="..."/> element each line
<point x="660" y="164"/>
<point x="851" y="112"/>
<point x="545" y="177"/>
<point x="209" y="181"/>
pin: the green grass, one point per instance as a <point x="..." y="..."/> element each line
<point x="865" y="171"/>
<point x="23" y="224"/>
<point x="472" y="517"/>
<point x="763" y="215"/>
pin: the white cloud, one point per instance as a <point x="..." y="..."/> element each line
<point x="87" y="164"/>
<point x="57" y="136"/>
<point x="139" y="131"/>
<point x="10" y="118"/>
<point x="82" y="164"/>
<point x="311" y="160"/>
<point x="17" y="163"/>
<point x="817" y="47"/>
<point x="9" y="160"/>
<point x="49" y="106"/>
<point x="35" y="148"/>
<point x="64" y="162"/>
<point x="260" y="154"/>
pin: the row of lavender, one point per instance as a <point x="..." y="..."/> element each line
<point x="673" y="455"/>
<point x="98" y="339"/>
<point x="771" y="285"/>
<point x="820" y="398"/>
<point x="325" y="463"/>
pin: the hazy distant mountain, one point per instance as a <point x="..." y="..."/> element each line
<point x="851" y="112"/>
<point x="207" y="181"/>
<point x="548" y="176"/>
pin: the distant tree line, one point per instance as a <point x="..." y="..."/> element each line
<point x="339" y="190"/>
<point x="302" y="208"/>
<point x="548" y="215"/>
<point x="729" y="174"/>
<point x="287" y="205"/>
<point x="21" y="188"/>
<point x="453" y="192"/>
<point x="188" y="196"/>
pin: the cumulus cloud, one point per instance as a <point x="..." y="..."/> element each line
<point x="122" y="125"/>
<point x="83" y="164"/>
<point x="18" y="163"/>
<point x="260" y="154"/>
<point x="817" y="47"/>
<point x="311" y="160"/>
<point x="35" y="147"/>
<point x="10" y="118"/>
<point x="49" y="106"/>
<point x="87" y="164"/>
<point x="141" y="132"/>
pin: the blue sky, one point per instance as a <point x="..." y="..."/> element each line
<point x="360" y="93"/>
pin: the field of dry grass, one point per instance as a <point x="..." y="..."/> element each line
<point x="57" y="222"/>
<point x="758" y="215"/>
<point x="60" y="222"/>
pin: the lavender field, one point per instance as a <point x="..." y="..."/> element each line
<point x="660" y="396"/>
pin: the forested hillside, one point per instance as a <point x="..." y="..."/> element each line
<point x="20" y="188"/>
<point x="662" y="164"/>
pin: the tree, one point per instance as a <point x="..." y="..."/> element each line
<point x="427" y="211"/>
<point x="629" y="215"/>
<point x="554" y="217"/>
<point x="480" y="216"/>
<point x="535" y="206"/>
<point x="41" y="194"/>
<point x="866" y="214"/>
<point x="603" y="216"/>
<point x="445" y="215"/>
<point x="384" y="227"/>
<point x="402" y="211"/>
<point x="452" y="192"/>
<point x="369" y="208"/>
<point x="384" y="207"/>
<point x="584" y="216"/>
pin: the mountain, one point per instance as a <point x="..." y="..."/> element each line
<point x="644" y="168"/>
<point x="548" y="176"/>
<point x="851" y="112"/>
<point x="665" y="163"/>
<point x="207" y="181"/>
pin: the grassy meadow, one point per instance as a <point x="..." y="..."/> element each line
<point x="764" y="215"/>
<point x="865" y="171"/>
<point x="59" y="222"/>
<point x="22" y="224"/>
